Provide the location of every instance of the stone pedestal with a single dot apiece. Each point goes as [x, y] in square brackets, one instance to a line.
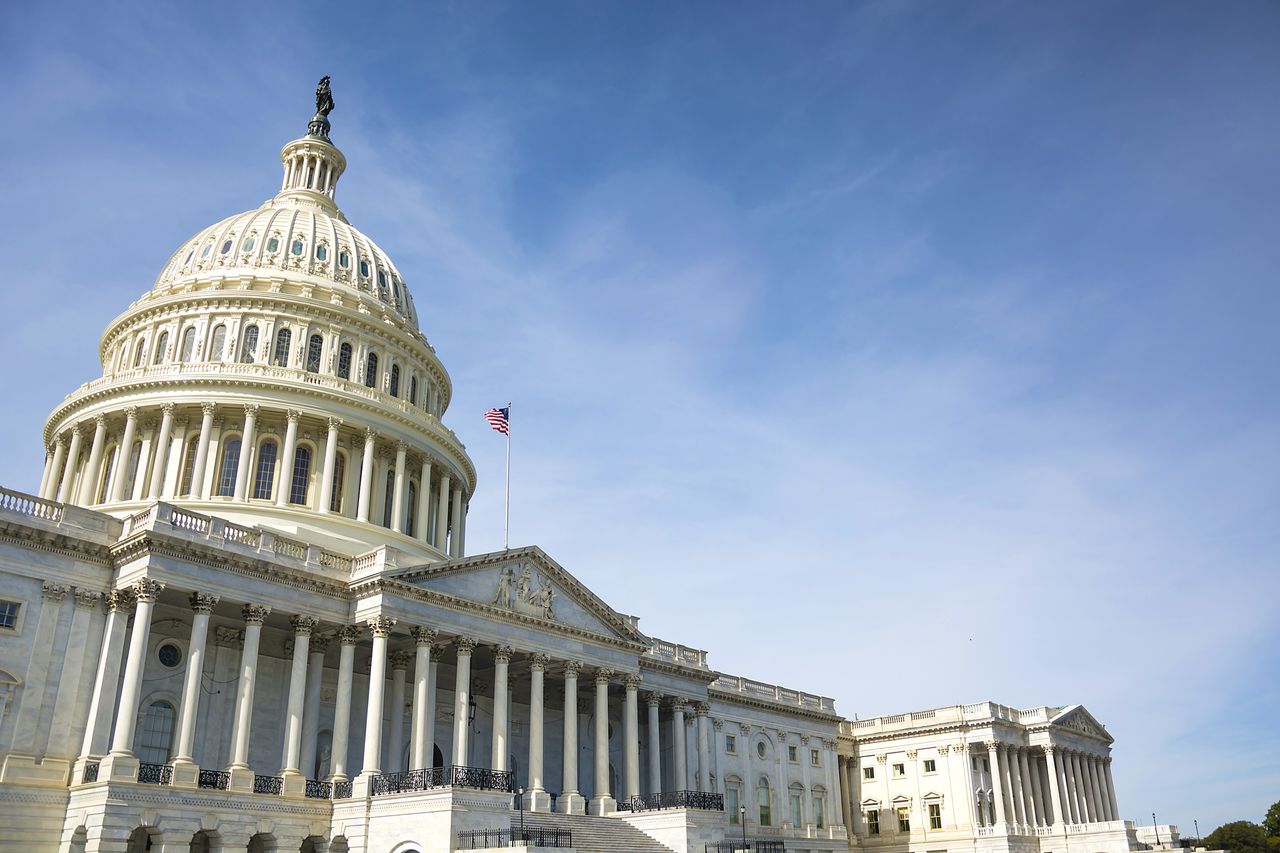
[571, 803]
[601, 806]
[537, 801]
[186, 774]
[295, 784]
[241, 778]
[123, 768]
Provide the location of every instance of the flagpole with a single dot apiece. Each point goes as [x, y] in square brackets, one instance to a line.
[506, 508]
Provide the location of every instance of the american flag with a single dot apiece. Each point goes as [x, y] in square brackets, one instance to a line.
[497, 419]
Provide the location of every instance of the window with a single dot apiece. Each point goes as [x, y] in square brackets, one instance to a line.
[249, 344]
[169, 655]
[208, 247]
[248, 244]
[815, 758]
[297, 248]
[797, 806]
[108, 468]
[9, 615]
[732, 803]
[986, 766]
[155, 735]
[301, 475]
[266, 474]
[226, 247]
[364, 269]
[188, 344]
[935, 815]
[413, 391]
[218, 343]
[371, 370]
[280, 358]
[760, 749]
[322, 252]
[762, 801]
[930, 765]
[904, 819]
[344, 260]
[395, 380]
[273, 245]
[868, 773]
[139, 350]
[227, 474]
[335, 495]
[791, 754]
[731, 744]
[315, 346]
[135, 456]
[819, 817]
[411, 510]
[899, 770]
[188, 466]
[982, 818]
[873, 822]
[344, 361]
[390, 497]
[162, 343]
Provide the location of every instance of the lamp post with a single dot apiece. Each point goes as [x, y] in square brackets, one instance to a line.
[523, 837]
[1155, 828]
[742, 819]
[1197, 823]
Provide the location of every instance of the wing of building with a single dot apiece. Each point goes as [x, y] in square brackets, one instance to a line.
[240, 615]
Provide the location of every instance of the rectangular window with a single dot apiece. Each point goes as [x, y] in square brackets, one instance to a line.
[797, 817]
[873, 823]
[982, 820]
[731, 744]
[899, 770]
[732, 802]
[818, 817]
[9, 615]
[814, 757]
[868, 773]
[791, 754]
[904, 819]
[935, 816]
[986, 766]
[930, 766]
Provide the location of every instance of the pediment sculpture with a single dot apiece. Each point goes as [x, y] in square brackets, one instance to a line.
[523, 595]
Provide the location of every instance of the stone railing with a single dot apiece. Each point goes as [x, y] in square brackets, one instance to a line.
[23, 504]
[774, 693]
[977, 712]
[676, 653]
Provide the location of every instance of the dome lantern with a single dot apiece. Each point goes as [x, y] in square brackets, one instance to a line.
[312, 164]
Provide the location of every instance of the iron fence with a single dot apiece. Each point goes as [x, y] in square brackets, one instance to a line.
[486, 838]
[155, 774]
[752, 846]
[319, 790]
[341, 790]
[214, 780]
[268, 785]
[673, 800]
[442, 777]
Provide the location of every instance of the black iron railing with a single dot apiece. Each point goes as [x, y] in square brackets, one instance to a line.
[319, 790]
[90, 773]
[155, 774]
[214, 780]
[484, 838]
[753, 846]
[341, 790]
[442, 777]
[673, 800]
[268, 784]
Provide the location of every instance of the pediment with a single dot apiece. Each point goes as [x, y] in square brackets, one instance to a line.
[525, 584]
[1077, 719]
[869, 804]
[901, 800]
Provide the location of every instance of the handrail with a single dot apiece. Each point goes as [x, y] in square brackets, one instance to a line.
[454, 776]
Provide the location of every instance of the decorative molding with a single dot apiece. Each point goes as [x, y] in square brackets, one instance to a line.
[502, 654]
[303, 624]
[255, 614]
[400, 659]
[380, 626]
[349, 635]
[631, 681]
[147, 590]
[53, 591]
[466, 645]
[423, 636]
[539, 662]
[203, 602]
[87, 599]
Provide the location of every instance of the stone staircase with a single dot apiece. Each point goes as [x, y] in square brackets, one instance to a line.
[594, 834]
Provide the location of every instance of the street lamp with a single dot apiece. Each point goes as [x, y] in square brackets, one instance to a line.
[742, 819]
[523, 837]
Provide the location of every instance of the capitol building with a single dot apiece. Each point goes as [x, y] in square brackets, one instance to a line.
[239, 613]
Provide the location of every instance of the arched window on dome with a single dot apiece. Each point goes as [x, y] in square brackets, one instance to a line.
[218, 343]
[188, 343]
[344, 361]
[265, 476]
[227, 472]
[301, 475]
[315, 348]
[135, 458]
[413, 390]
[371, 370]
[162, 344]
[139, 351]
[395, 380]
[249, 344]
[188, 466]
[411, 510]
[155, 735]
[280, 358]
[389, 499]
[763, 801]
[108, 468]
[339, 474]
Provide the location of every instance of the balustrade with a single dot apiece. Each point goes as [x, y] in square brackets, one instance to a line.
[319, 790]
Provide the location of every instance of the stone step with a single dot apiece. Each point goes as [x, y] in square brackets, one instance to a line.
[593, 834]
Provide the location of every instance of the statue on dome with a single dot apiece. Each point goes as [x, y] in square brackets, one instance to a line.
[319, 124]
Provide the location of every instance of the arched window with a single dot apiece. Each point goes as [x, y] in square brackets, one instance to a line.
[188, 466]
[819, 815]
[139, 350]
[315, 346]
[135, 456]
[335, 492]
[188, 343]
[390, 498]
[108, 468]
[249, 344]
[344, 361]
[301, 475]
[395, 380]
[230, 463]
[411, 510]
[413, 391]
[797, 805]
[162, 343]
[265, 476]
[371, 370]
[218, 343]
[762, 799]
[155, 735]
[281, 356]
[733, 799]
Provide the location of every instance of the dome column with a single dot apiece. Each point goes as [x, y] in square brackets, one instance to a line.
[123, 454]
[330, 461]
[89, 480]
[59, 458]
[442, 513]
[202, 450]
[158, 454]
[397, 500]
[73, 458]
[455, 541]
[48, 471]
[246, 452]
[424, 501]
[285, 486]
[366, 475]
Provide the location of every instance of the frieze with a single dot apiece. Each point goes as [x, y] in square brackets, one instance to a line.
[523, 595]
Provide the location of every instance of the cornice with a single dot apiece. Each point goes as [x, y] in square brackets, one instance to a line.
[55, 542]
[693, 673]
[736, 698]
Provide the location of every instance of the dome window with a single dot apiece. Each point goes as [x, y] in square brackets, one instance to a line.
[226, 247]
[249, 243]
[371, 370]
[322, 252]
[396, 286]
[280, 358]
[273, 245]
[204, 253]
[301, 475]
[382, 279]
[249, 346]
[265, 476]
[189, 343]
[344, 260]
[315, 347]
[190, 255]
[344, 361]
[364, 269]
[297, 248]
[162, 343]
[395, 380]
[218, 344]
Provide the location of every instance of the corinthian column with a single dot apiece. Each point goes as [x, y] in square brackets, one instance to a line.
[536, 798]
[69, 473]
[1111, 788]
[602, 801]
[330, 461]
[92, 475]
[571, 801]
[654, 701]
[442, 513]
[241, 773]
[631, 736]
[366, 476]
[285, 486]
[123, 453]
[501, 708]
[103, 703]
[461, 699]
[681, 751]
[311, 708]
[185, 771]
[1056, 794]
[348, 636]
[380, 627]
[400, 661]
[202, 450]
[421, 733]
[397, 494]
[1000, 801]
[295, 781]
[121, 763]
[247, 444]
[704, 748]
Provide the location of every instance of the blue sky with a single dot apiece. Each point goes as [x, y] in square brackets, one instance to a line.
[912, 354]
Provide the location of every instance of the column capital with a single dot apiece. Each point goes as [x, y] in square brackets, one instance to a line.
[250, 410]
[203, 602]
[54, 591]
[319, 643]
[437, 649]
[334, 423]
[572, 667]
[631, 681]
[466, 645]
[1051, 748]
[603, 676]
[78, 429]
[255, 614]
[349, 635]
[911, 754]
[303, 625]
[87, 599]
[400, 659]
[678, 704]
[207, 409]
[100, 421]
[718, 724]
[423, 636]
[783, 734]
[993, 745]
[654, 698]
[293, 415]
[119, 601]
[703, 708]
[130, 413]
[370, 434]
[146, 589]
[502, 654]
[745, 729]
[380, 626]
[539, 662]
[59, 441]
[402, 446]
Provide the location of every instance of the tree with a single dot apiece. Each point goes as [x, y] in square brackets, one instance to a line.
[1240, 836]
[1271, 823]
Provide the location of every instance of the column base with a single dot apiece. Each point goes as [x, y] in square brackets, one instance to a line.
[295, 784]
[571, 802]
[186, 773]
[241, 780]
[537, 800]
[361, 784]
[77, 769]
[601, 806]
[121, 767]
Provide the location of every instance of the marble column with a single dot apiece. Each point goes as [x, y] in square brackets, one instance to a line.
[248, 441]
[73, 459]
[571, 800]
[241, 773]
[186, 773]
[501, 708]
[536, 798]
[678, 744]
[1028, 788]
[92, 474]
[461, 699]
[1015, 785]
[1056, 792]
[27, 721]
[295, 781]
[631, 736]
[654, 701]
[1111, 788]
[348, 636]
[1037, 787]
[442, 514]
[50, 490]
[102, 704]
[398, 490]
[202, 450]
[311, 708]
[421, 733]
[380, 627]
[602, 801]
[121, 764]
[1095, 792]
[123, 453]
[424, 501]
[330, 463]
[395, 761]
[66, 707]
[455, 539]
[704, 748]
[284, 483]
[1000, 801]
[366, 475]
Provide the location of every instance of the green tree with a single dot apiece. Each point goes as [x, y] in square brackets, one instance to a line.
[1240, 836]
[1271, 823]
